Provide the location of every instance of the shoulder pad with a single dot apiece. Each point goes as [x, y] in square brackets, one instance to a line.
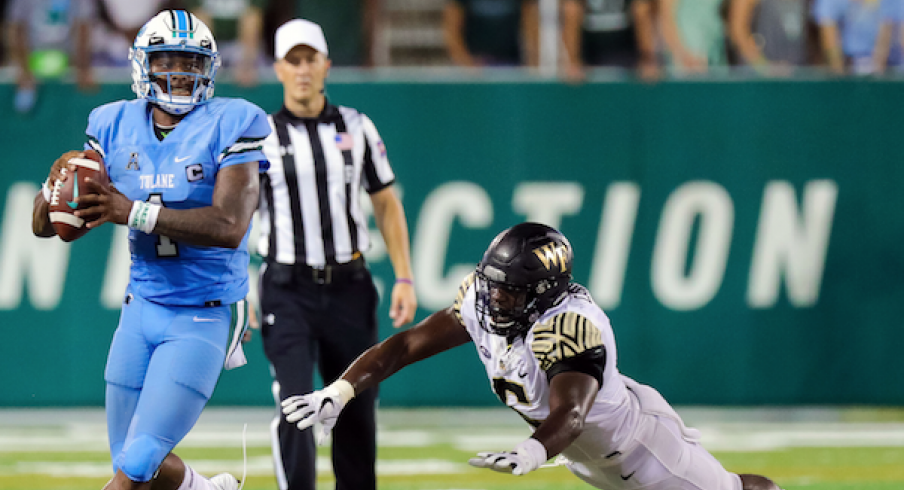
[462, 291]
[563, 336]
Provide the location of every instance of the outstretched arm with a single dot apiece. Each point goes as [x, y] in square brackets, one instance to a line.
[439, 332]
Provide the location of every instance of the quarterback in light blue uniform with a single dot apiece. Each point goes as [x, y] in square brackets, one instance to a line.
[184, 173]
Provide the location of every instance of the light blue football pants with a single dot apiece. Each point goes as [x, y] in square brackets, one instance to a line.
[162, 368]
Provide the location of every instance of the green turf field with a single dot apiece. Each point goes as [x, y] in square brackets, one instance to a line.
[428, 450]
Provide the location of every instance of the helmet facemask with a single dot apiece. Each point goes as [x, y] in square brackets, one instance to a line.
[178, 92]
[504, 309]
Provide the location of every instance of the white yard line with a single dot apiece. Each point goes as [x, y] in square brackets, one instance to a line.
[258, 466]
[85, 432]
[61, 430]
[716, 437]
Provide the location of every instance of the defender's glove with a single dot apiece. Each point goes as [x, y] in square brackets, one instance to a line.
[323, 406]
[526, 457]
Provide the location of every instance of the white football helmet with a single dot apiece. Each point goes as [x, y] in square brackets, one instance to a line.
[174, 32]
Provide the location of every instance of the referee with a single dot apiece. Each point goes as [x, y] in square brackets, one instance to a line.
[318, 301]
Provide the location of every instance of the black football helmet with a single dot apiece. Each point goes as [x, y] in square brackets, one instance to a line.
[525, 271]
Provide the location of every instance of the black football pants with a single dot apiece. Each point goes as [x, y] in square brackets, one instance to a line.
[304, 324]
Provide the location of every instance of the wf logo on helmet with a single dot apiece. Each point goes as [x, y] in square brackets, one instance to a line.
[552, 255]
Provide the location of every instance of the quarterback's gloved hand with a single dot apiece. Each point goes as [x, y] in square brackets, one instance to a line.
[323, 406]
[526, 457]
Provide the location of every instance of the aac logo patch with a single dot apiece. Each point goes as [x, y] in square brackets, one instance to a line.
[133, 162]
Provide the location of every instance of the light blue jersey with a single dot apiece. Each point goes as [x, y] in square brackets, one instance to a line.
[858, 22]
[180, 172]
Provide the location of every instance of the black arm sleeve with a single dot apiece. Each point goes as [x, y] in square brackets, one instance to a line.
[591, 362]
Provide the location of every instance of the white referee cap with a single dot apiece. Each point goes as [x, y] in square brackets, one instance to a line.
[296, 32]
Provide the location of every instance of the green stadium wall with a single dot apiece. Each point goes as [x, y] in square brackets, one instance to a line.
[744, 237]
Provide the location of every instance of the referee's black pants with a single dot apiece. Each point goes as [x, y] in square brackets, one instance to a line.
[306, 323]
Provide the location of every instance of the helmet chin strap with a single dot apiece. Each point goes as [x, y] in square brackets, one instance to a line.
[178, 105]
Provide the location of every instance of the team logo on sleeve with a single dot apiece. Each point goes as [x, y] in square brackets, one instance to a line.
[194, 172]
[564, 336]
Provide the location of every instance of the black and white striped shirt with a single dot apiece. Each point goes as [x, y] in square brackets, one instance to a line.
[310, 209]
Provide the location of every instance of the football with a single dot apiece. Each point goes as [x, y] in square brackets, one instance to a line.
[67, 225]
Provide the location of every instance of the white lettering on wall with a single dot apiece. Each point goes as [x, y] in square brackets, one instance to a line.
[116, 277]
[613, 243]
[547, 202]
[709, 203]
[463, 202]
[41, 262]
[791, 243]
[687, 269]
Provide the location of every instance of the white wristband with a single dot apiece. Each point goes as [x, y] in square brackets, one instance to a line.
[533, 454]
[143, 216]
[344, 388]
[45, 190]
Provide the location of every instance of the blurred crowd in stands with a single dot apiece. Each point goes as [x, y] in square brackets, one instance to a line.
[651, 38]
[656, 37]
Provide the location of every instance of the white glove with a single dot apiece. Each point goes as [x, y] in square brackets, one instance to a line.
[526, 457]
[323, 406]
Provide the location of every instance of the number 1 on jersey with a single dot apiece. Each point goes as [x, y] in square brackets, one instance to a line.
[165, 246]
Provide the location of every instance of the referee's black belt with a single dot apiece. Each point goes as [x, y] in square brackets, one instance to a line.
[326, 274]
